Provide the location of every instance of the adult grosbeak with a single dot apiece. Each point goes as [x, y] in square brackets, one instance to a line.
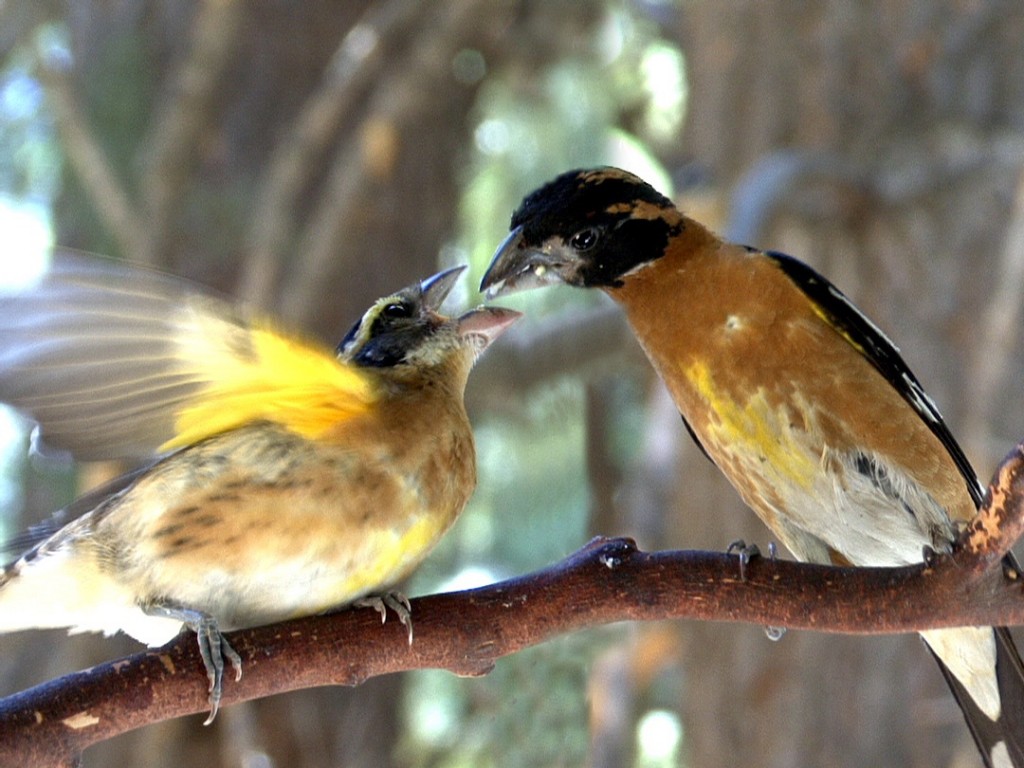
[291, 479]
[794, 394]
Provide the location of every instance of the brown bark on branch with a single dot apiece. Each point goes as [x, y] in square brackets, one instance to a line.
[1000, 521]
[608, 580]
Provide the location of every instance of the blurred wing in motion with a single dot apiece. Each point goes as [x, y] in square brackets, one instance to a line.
[115, 361]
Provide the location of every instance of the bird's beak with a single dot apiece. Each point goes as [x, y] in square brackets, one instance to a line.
[519, 267]
[484, 324]
[435, 289]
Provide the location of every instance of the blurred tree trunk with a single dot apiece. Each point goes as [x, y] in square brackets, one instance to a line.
[881, 142]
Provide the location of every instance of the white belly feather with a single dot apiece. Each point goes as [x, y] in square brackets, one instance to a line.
[849, 503]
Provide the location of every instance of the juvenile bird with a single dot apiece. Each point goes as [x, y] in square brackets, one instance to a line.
[289, 478]
[796, 396]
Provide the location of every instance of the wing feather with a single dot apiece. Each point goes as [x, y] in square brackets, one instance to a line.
[115, 361]
[875, 346]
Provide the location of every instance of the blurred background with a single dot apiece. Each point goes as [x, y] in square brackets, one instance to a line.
[310, 157]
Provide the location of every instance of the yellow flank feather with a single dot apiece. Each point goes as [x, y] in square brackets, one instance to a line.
[753, 429]
[254, 373]
[395, 555]
[816, 308]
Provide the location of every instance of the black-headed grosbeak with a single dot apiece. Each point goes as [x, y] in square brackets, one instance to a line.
[792, 392]
[291, 479]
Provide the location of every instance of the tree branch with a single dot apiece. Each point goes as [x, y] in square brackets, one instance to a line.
[609, 580]
[590, 342]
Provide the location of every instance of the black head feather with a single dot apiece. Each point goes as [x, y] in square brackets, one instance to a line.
[605, 214]
[398, 325]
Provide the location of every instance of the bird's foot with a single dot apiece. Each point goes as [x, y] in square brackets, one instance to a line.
[213, 648]
[745, 552]
[396, 601]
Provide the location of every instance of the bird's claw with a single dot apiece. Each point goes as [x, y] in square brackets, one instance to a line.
[213, 649]
[396, 601]
[745, 552]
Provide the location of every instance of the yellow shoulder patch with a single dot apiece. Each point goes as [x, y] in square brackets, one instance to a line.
[249, 374]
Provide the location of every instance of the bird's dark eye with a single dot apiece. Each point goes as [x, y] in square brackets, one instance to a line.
[397, 310]
[584, 240]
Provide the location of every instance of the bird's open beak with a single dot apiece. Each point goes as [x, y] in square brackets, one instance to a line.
[484, 324]
[435, 289]
[519, 267]
[481, 325]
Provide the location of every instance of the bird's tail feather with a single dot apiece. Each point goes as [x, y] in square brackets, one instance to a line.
[1001, 742]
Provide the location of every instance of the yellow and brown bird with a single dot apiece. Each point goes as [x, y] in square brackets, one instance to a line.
[290, 478]
[799, 399]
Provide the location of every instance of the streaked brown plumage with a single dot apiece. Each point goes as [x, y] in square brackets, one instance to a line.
[291, 481]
